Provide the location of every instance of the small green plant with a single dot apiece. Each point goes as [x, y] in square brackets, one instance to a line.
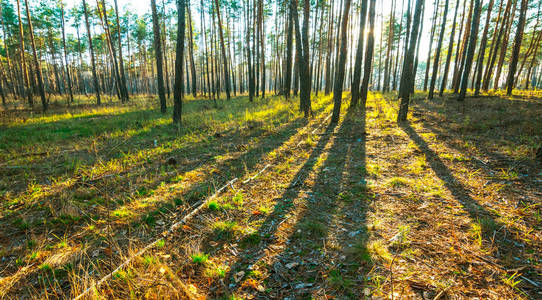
[149, 260]
[213, 205]
[251, 239]
[45, 267]
[160, 244]
[224, 229]
[200, 258]
[512, 280]
[238, 199]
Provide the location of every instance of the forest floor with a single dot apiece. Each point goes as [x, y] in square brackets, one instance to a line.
[447, 205]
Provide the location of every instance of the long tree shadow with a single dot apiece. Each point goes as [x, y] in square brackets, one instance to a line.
[484, 136]
[222, 171]
[513, 252]
[332, 213]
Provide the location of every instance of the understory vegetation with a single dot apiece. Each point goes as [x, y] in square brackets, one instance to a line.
[447, 204]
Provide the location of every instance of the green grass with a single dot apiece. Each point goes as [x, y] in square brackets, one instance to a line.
[200, 258]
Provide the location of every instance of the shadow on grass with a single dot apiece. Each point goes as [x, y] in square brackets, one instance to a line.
[339, 191]
[509, 141]
[222, 171]
[513, 252]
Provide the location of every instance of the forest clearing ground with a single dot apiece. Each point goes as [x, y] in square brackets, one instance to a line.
[441, 207]
[447, 205]
[67, 221]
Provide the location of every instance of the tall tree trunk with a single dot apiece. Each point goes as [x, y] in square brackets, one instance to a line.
[359, 55]
[482, 51]
[92, 59]
[123, 87]
[462, 55]
[105, 24]
[504, 47]
[158, 55]
[368, 56]
[497, 35]
[24, 69]
[262, 45]
[191, 50]
[339, 76]
[388, 50]
[302, 44]
[179, 54]
[449, 55]
[70, 92]
[329, 51]
[223, 49]
[517, 47]
[433, 29]
[437, 54]
[470, 52]
[37, 64]
[289, 49]
[406, 75]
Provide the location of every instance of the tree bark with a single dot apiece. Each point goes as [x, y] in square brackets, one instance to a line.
[449, 55]
[223, 49]
[517, 47]
[359, 55]
[179, 54]
[482, 51]
[364, 90]
[339, 76]
[158, 55]
[70, 92]
[406, 75]
[37, 64]
[470, 52]
[24, 69]
[437, 54]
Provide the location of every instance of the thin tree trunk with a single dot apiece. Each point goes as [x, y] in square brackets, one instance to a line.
[24, 69]
[158, 54]
[359, 55]
[406, 75]
[517, 47]
[482, 51]
[470, 52]
[179, 54]
[37, 64]
[437, 54]
[449, 55]
[70, 92]
[339, 76]
[223, 49]
[368, 56]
